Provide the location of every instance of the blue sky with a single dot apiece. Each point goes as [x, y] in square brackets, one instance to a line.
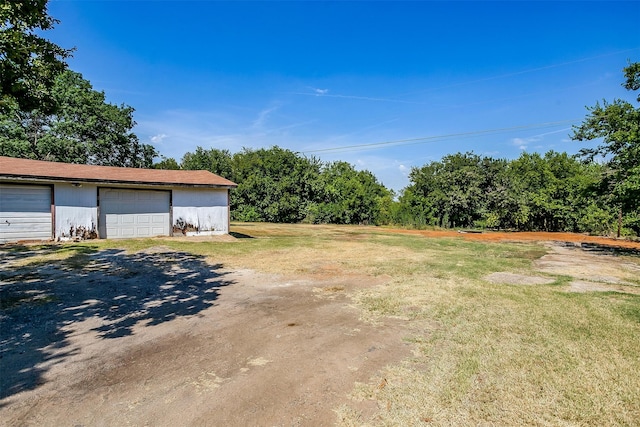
[423, 78]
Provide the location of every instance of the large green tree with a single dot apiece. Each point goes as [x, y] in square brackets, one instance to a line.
[617, 125]
[553, 192]
[348, 196]
[29, 63]
[274, 185]
[83, 129]
[451, 192]
[167, 163]
[213, 160]
[279, 185]
[549, 191]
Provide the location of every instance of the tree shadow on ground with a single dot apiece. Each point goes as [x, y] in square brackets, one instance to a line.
[42, 299]
[609, 249]
[602, 249]
[240, 235]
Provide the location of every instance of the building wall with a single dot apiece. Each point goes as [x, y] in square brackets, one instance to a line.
[200, 211]
[76, 211]
[193, 211]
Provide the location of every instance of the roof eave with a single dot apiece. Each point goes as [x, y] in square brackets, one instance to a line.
[113, 182]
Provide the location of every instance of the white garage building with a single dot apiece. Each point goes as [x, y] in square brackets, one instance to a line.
[47, 200]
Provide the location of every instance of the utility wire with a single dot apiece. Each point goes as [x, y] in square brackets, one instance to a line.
[428, 139]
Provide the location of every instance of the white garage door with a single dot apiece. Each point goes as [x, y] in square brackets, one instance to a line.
[25, 213]
[133, 213]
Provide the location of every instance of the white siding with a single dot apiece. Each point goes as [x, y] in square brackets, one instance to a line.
[201, 211]
[76, 211]
[25, 212]
[133, 213]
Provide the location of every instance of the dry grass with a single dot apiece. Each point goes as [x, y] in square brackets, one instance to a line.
[484, 353]
[506, 358]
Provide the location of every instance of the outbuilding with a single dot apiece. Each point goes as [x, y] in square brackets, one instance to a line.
[42, 200]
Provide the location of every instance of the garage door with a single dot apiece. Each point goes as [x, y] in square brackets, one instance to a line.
[133, 213]
[25, 213]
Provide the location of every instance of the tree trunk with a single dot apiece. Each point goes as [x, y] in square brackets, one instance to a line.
[619, 221]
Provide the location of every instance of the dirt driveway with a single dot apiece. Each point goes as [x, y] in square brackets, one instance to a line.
[163, 338]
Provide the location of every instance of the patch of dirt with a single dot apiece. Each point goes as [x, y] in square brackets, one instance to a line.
[593, 268]
[517, 279]
[598, 266]
[499, 236]
[584, 286]
[163, 338]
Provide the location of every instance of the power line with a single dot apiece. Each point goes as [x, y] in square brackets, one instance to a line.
[428, 139]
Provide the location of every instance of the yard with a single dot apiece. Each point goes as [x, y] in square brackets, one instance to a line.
[321, 325]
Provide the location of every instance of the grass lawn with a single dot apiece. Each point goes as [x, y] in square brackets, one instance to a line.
[484, 353]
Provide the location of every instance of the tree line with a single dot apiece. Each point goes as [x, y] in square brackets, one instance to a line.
[278, 185]
[50, 112]
[550, 192]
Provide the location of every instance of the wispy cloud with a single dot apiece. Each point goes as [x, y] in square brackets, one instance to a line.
[525, 71]
[157, 139]
[324, 93]
[175, 132]
[263, 116]
[289, 126]
[393, 173]
[338, 140]
[523, 143]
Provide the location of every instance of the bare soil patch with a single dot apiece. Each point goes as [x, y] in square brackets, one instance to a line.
[584, 286]
[163, 338]
[594, 268]
[518, 279]
[498, 236]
